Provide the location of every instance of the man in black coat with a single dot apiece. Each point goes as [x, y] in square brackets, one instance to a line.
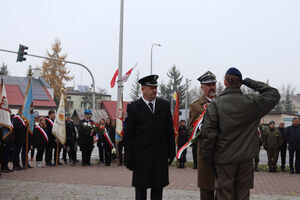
[70, 140]
[149, 142]
[293, 139]
[51, 138]
[20, 139]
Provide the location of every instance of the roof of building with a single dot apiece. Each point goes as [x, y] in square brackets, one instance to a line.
[111, 108]
[16, 90]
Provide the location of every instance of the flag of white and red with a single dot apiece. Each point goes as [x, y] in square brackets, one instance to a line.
[176, 116]
[5, 114]
[124, 78]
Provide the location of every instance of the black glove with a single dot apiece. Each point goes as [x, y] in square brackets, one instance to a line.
[246, 82]
[170, 161]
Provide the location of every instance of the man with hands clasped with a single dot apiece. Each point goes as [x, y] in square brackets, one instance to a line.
[149, 142]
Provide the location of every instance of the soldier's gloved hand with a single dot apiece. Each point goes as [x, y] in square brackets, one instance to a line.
[246, 82]
[170, 161]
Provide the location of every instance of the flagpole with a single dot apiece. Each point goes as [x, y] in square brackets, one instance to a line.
[26, 157]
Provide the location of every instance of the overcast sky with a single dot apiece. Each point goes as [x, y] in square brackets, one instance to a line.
[259, 37]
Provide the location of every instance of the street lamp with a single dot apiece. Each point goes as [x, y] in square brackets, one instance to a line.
[154, 44]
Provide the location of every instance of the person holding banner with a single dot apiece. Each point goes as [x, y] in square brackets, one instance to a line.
[86, 138]
[40, 140]
[205, 174]
[149, 141]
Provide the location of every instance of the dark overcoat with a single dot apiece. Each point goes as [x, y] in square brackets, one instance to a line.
[149, 143]
[85, 139]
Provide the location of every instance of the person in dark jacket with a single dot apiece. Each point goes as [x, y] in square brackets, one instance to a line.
[149, 141]
[107, 144]
[51, 145]
[293, 140]
[85, 139]
[271, 142]
[283, 145]
[40, 140]
[100, 141]
[70, 140]
[182, 139]
[20, 139]
[229, 137]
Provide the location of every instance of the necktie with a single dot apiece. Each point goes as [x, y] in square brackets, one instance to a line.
[151, 106]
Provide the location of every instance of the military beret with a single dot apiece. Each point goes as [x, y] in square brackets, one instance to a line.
[234, 71]
[271, 122]
[207, 77]
[150, 80]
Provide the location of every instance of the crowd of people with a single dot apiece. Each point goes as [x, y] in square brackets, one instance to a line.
[223, 153]
[46, 150]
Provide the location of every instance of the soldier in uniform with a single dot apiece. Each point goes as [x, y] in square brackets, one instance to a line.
[283, 145]
[149, 142]
[51, 138]
[205, 174]
[182, 139]
[229, 137]
[256, 158]
[271, 142]
[85, 139]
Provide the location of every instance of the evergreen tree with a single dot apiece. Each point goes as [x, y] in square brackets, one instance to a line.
[288, 105]
[4, 70]
[173, 86]
[136, 92]
[55, 72]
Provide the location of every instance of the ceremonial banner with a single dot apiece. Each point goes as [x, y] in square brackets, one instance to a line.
[59, 127]
[195, 133]
[5, 114]
[176, 116]
[119, 123]
[27, 109]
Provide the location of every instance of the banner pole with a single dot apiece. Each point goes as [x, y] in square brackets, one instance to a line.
[57, 154]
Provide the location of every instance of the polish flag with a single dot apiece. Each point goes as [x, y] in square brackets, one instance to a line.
[126, 76]
[113, 80]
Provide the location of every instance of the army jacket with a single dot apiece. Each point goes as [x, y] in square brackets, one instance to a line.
[229, 131]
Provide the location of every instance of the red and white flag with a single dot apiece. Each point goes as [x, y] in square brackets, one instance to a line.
[126, 76]
[113, 80]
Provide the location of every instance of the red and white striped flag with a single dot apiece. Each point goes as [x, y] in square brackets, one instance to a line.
[126, 76]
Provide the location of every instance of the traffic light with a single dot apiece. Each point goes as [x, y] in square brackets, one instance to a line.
[21, 53]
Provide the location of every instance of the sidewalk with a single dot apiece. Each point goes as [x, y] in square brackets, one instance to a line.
[114, 182]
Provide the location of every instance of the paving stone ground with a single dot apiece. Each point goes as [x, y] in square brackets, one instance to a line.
[114, 182]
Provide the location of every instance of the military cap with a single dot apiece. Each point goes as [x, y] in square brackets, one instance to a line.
[236, 72]
[207, 77]
[150, 80]
[271, 122]
[87, 112]
[68, 115]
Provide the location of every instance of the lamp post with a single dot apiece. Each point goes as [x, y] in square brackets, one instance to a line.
[154, 44]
